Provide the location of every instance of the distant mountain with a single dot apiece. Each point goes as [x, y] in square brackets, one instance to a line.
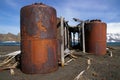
[10, 37]
[113, 37]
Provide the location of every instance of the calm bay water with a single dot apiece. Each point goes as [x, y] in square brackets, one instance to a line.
[113, 44]
[9, 43]
[18, 43]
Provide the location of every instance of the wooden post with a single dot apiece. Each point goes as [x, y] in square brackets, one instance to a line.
[68, 41]
[83, 35]
[80, 37]
[62, 44]
[74, 38]
[79, 34]
[65, 37]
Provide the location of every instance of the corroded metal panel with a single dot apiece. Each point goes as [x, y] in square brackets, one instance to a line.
[95, 37]
[38, 39]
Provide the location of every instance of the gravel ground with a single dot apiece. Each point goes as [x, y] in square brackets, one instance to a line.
[101, 68]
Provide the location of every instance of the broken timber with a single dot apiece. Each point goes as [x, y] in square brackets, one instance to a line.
[8, 63]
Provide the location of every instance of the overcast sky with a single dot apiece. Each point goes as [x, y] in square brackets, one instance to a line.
[106, 10]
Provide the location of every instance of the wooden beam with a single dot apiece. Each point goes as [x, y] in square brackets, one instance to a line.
[62, 44]
[83, 36]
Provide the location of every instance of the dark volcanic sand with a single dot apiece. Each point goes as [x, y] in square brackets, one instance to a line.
[102, 68]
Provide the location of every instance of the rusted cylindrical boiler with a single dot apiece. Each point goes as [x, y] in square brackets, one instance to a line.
[38, 39]
[95, 37]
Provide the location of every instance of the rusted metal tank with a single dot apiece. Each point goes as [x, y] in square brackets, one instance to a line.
[38, 39]
[95, 37]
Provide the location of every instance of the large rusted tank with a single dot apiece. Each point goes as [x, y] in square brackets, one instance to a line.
[38, 39]
[95, 37]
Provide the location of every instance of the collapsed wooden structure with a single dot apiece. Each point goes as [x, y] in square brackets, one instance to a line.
[66, 37]
[88, 36]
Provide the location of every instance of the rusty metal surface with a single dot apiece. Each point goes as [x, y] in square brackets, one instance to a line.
[95, 37]
[38, 39]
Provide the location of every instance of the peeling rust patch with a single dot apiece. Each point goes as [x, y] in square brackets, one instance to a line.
[41, 27]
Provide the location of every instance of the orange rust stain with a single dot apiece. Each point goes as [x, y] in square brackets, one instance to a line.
[41, 27]
[40, 50]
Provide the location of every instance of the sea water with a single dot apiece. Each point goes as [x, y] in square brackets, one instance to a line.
[113, 43]
[9, 43]
[18, 43]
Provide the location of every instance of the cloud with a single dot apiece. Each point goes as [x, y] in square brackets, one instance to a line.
[85, 9]
[94, 9]
[113, 28]
[12, 3]
[86, 5]
[81, 9]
